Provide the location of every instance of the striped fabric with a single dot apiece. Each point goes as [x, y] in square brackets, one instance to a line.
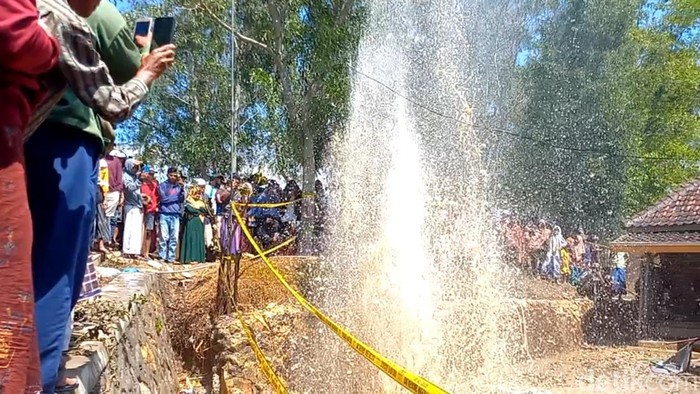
[82, 70]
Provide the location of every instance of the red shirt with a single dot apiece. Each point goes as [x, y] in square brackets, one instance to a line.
[151, 190]
[26, 52]
[116, 173]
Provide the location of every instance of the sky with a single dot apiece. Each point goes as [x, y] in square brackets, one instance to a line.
[521, 59]
[122, 5]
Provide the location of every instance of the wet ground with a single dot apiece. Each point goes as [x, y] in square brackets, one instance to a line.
[586, 370]
[601, 370]
[533, 288]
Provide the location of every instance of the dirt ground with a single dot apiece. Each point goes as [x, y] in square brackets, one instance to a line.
[586, 368]
[576, 369]
[529, 287]
[601, 370]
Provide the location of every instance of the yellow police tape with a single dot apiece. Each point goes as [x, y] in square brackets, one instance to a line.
[262, 360]
[265, 366]
[407, 379]
[274, 249]
[272, 205]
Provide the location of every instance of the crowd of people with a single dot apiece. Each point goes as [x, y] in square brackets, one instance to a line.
[67, 69]
[191, 222]
[541, 248]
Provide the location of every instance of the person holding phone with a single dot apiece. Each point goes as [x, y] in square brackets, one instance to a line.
[108, 77]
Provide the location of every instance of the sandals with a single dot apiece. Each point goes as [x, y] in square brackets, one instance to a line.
[68, 387]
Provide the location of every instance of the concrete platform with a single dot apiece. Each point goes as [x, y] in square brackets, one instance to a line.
[664, 345]
[88, 369]
[136, 355]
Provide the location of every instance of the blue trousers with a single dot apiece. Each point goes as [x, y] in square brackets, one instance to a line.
[169, 232]
[61, 182]
[619, 280]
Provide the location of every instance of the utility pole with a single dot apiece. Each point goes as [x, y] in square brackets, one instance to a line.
[234, 96]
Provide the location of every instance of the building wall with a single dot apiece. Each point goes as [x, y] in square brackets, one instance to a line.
[670, 304]
[634, 266]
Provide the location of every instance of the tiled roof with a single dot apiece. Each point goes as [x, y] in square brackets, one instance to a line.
[680, 208]
[687, 237]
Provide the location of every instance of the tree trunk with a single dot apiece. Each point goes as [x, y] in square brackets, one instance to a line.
[225, 303]
[227, 284]
[308, 205]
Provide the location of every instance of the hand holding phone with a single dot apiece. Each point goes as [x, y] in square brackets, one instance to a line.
[143, 41]
[143, 33]
[155, 63]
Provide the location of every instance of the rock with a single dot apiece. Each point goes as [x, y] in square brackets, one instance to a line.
[274, 328]
[187, 275]
[107, 273]
[142, 359]
[155, 264]
[240, 386]
[143, 388]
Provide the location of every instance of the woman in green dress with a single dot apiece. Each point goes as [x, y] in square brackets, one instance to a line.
[193, 248]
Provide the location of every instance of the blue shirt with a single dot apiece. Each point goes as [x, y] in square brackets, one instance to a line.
[171, 198]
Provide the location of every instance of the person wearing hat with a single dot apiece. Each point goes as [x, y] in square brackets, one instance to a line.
[115, 197]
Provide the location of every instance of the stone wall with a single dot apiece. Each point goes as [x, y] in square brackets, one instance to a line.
[135, 356]
[275, 328]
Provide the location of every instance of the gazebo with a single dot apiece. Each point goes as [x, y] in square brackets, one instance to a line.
[664, 241]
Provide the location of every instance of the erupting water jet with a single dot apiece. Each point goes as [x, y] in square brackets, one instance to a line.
[413, 266]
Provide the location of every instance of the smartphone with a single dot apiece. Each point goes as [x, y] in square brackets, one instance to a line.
[143, 27]
[163, 31]
[142, 31]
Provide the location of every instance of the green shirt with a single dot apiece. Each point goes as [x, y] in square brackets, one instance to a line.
[114, 41]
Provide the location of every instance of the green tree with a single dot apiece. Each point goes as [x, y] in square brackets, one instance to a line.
[611, 116]
[567, 167]
[663, 93]
[293, 75]
[295, 69]
[187, 119]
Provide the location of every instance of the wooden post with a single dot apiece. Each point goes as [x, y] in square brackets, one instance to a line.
[223, 384]
[644, 293]
[225, 285]
[236, 276]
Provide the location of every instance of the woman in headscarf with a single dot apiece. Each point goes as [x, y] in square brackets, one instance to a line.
[193, 248]
[133, 209]
[552, 265]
